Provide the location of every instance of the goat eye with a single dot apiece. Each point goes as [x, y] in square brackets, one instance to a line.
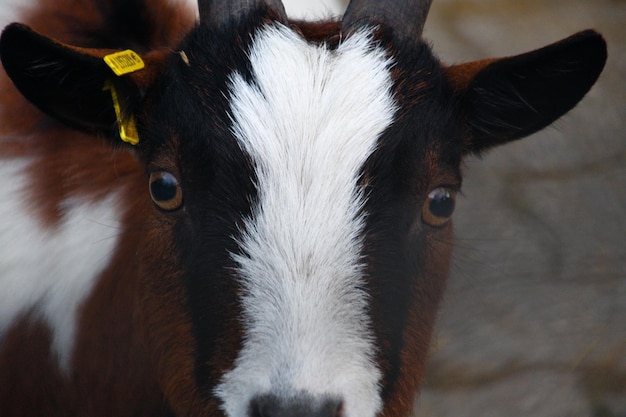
[165, 190]
[439, 206]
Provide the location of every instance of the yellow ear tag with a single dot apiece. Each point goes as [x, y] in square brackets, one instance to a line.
[124, 62]
[128, 129]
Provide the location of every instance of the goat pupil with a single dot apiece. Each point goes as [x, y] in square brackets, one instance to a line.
[164, 188]
[442, 203]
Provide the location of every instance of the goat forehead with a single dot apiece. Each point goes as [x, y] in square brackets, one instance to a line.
[309, 121]
[309, 118]
[308, 109]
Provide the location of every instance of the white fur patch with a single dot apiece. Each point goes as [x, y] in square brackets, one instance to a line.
[50, 270]
[309, 122]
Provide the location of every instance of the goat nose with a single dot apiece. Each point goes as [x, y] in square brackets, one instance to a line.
[296, 406]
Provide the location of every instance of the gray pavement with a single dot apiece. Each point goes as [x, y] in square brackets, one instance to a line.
[534, 322]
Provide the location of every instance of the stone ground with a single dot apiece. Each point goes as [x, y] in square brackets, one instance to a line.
[534, 323]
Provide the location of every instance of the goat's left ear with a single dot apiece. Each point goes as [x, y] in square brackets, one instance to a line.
[509, 98]
[71, 84]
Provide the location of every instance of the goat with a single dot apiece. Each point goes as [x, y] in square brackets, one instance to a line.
[239, 215]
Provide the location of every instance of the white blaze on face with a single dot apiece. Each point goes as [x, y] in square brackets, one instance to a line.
[309, 121]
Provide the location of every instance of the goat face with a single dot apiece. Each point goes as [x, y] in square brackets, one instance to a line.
[295, 226]
[298, 220]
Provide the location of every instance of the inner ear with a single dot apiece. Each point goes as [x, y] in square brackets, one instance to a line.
[63, 81]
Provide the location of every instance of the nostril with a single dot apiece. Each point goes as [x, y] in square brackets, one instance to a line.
[338, 409]
[331, 408]
[265, 406]
[295, 406]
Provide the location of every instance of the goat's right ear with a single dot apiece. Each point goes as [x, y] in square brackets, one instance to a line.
[508, 98]
[69, 83]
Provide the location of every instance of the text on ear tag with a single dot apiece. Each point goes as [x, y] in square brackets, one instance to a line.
[127, 126]
[124, 62]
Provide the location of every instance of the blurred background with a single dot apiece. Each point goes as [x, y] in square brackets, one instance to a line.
[534, 321]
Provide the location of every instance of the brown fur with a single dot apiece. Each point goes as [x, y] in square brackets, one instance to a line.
[114, 361]
[459, 76]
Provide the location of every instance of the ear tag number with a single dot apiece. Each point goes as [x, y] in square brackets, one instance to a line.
[127, 126]
[124, 62]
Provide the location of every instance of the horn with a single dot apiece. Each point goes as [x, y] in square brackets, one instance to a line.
[221, 12]
[407, 17]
